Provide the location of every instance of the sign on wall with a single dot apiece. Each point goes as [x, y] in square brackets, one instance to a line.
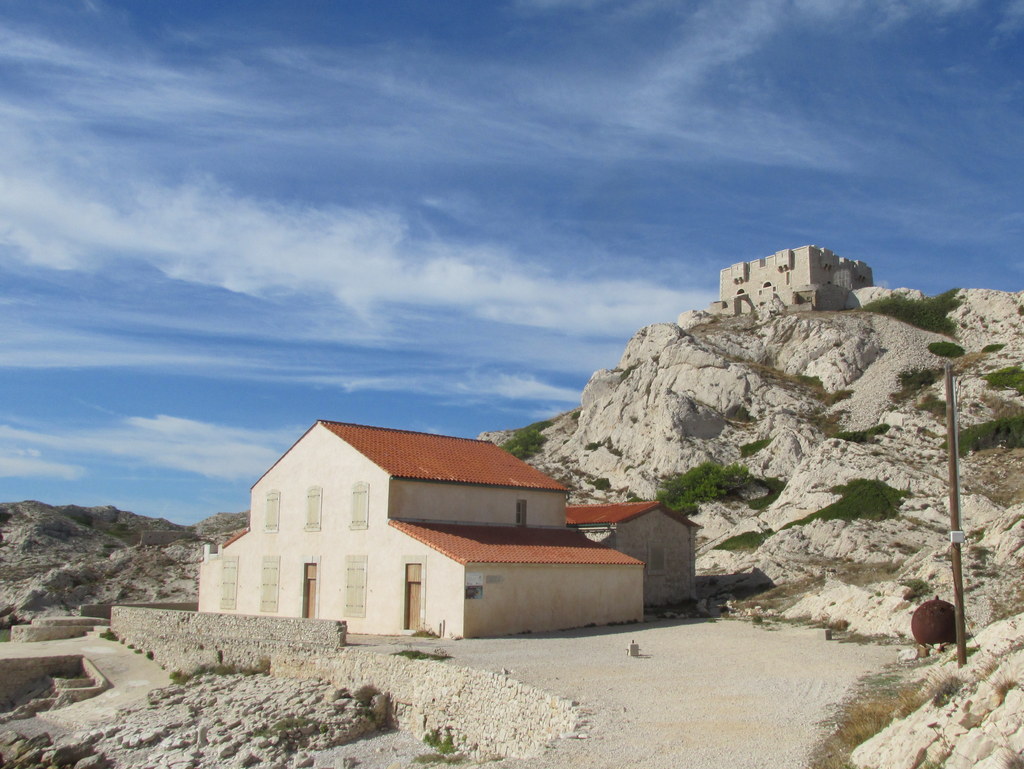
[474, 585]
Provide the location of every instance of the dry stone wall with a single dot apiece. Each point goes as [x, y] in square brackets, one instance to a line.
[487, 714]
[185, 640]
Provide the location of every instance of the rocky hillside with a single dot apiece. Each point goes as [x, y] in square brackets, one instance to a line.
[53, 559]
[822, 402]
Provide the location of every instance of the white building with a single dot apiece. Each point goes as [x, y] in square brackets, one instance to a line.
[395, 531]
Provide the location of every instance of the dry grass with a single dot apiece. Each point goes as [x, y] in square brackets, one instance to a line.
[1002, 685]
[864, 716]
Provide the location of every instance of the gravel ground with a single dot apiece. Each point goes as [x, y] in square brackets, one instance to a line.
[703, 695]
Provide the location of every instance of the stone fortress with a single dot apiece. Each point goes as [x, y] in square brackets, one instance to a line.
[805, 278]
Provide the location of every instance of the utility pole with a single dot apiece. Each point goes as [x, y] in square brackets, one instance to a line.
[956, 534]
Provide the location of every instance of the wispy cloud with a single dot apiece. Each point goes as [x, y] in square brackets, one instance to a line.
[205, 449]
[30, 463]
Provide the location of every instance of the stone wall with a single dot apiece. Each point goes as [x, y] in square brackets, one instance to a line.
[487, 714]
[186, 640]
[18, 675]
[102, 610]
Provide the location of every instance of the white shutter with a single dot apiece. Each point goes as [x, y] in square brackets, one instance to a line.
[268, 587]
[360, 505]
[228, 582]
[273, 510]
[314, 498]
[355, 585]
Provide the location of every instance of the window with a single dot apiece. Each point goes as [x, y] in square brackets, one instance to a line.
[360, 505]
[273, 509]
[520, 512]
[355, 585]
[314, 499]
[228, 581]
[655, 559]
[268, 586]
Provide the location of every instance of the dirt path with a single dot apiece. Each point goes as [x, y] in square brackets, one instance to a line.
[704, 695]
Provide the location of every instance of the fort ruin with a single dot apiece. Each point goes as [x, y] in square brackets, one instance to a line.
[802, 279]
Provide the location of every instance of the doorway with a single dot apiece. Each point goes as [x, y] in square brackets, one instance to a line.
[309, 591]
[413, 595]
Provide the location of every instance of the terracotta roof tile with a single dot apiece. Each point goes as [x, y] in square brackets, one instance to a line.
[577, 515]
[424, 456]
[512, 544]
[234, 538]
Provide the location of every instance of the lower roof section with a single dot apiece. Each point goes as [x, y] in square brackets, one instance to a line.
[465, 543]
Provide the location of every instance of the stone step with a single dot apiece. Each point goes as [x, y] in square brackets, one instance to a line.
[73, 683]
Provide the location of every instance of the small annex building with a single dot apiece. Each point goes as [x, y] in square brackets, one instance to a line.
[650, 532]
[394, 531]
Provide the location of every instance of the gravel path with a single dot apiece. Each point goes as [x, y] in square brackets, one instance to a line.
[703, 695]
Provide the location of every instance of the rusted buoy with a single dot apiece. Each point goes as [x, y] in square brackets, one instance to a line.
[934, 622]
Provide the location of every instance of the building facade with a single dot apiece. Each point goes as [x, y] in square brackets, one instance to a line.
[805, 278]
[650, 532]
[396, 531]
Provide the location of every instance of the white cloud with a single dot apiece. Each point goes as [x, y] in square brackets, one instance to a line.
[206, 449]
[29, 463]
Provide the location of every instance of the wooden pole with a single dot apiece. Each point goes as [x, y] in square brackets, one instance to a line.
[955, 536]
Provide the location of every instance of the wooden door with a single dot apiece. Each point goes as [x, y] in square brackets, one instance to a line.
[413, 595]
[309, 591]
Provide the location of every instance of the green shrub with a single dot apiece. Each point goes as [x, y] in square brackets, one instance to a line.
[1011, 378]
[443, 745]
[863, 436]
[5, 635]
[748, 540]
[861, 499]
[592, 446]
[749, 449]
[993, 347]
[416, 654]
[775, 487]
[1007, 433]
[933, 405]
[946, 349]
[108, 635]
[703, 483]
[527, 441]
[601, 484]
[917, 588]
[930, 313]
[915, 380]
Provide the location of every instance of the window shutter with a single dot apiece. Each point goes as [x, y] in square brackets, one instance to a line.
[228, 582]
[355, 585]
[273, 510]
[268, 588]
[360, 505]
[313, 506]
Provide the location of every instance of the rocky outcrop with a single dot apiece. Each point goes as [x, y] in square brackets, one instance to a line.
[54, 559]
[782, 393]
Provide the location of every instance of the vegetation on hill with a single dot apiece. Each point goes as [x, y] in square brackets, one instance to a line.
[748, 540]
[946, 349]
[1010, 378]
[914, 381]
[862, 499]
[527, 441]
[703, 483]
[1007, 433]
[749, 449]
[863, 436]
[930, 313]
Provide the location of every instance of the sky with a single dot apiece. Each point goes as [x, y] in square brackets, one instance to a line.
[220, 222]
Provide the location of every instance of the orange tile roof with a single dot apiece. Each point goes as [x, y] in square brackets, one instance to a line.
[512, 544]
[576, 515]
[424, 456]
[235, 537]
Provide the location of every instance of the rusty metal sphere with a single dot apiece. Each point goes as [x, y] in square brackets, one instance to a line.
[934, 622]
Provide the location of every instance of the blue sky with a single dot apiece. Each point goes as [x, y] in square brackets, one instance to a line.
[220, 222]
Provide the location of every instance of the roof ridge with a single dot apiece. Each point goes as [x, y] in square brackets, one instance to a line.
[400, 430]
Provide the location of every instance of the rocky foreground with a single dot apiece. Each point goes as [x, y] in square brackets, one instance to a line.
[212, 721]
